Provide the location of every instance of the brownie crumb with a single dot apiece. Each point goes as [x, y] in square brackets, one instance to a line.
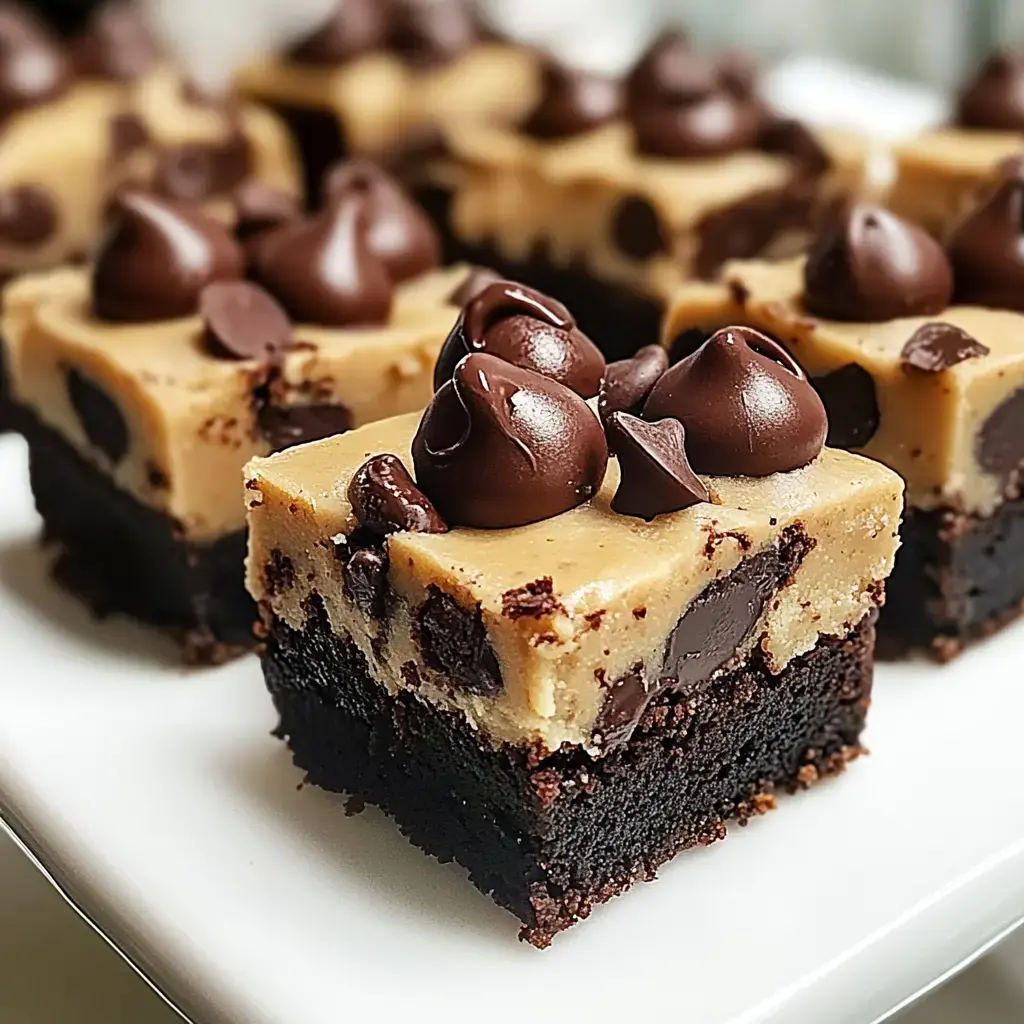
[535, 600]
[279, 573]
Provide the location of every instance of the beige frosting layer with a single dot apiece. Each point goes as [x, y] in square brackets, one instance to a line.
[190, 415]
[519, 194]
[621, 583]
[928, 422]
[941, 174]
[380, 102]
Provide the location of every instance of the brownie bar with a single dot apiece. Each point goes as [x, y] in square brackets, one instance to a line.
[524, 823]
[121, 556]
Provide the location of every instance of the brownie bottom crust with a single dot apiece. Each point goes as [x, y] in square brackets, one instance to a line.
[120, 556]
[551, 835]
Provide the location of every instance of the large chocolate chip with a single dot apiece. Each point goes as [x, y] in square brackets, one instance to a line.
[33, 68]
[1000, 444]
[385, 499]
[628, 382]
[355, 27]
[28, 216]
[241, 321]
[667, 67]
[852, 406]
[286, 426]
[128, 133]
[365, 580]
[936, 347]
[474, 283]
[430, 35]
[195, 171]
[116, 44]
[453, 640]
[101, 419]
[261, 207]
[656, 477]
[746, 404]
[572, 101]
[637, 231]
[994, 99]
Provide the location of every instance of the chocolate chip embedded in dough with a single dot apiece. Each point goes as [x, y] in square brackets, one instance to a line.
[935, 347]
[365, 580]
[286, 426]
[636, 229]
[1000, 444]
[453, 640]
[101, 419]
[851, 404]
[28, 216]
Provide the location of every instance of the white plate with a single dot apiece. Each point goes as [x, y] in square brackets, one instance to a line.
[159, 802]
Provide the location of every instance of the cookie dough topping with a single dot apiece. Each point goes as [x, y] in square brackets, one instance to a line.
[115, 45]
[994, 99]
[33, 68]
[987, 250]
[868, 265]
[628, 382]
[385, 499]
[572, 102]
[398, 231]
[501, 446]
[747, 406]
[157, 257]
[528, 329]
[354, 28]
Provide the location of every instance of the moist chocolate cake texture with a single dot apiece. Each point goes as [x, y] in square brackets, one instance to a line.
[917, 353]
[559, 647]
[146, 381]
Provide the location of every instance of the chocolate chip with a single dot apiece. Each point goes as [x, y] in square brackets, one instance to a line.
[474, 283]
[938, 346]
[128, 133]
[629, 381]
[260, 207]
[278, 573]
[116, 44]
[655, 474]
[286, 426]
[623, 707]
[101, 419]
[195, 171]
[33, 66]
[1000, 444]
[241, 321]
[788, 137]
[572, 101]
[994, 99]
[354, 28]
[430, 35]
[28, 216]
[365, 581]
[385, 499]
[534, 600]
[637, 231]
[453, 640]
[852, 406]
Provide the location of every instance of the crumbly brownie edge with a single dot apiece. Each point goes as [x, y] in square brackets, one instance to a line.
[550, 836]
[119, 556]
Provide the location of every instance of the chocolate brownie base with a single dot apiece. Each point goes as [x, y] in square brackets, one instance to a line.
[6, 404]
[550, 836]
[120, 556]
[958, 577]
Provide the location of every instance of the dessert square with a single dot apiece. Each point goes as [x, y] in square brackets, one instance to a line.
[148, 381]
[918, 355]
[560, 670]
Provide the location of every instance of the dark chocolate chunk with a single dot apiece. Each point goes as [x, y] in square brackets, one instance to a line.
[994, 99]
[655, 475]
[365, 581]
[528, 329]
[572, 101]
[33, 68]
[475, 282]
[398, 231]
[430, 35]
[101, 419]
[385, 499]
[156, 259]
[637, 231]
[241, 321]
[852, 405]
[195, 171]
[28, 215]
[500, 446]
[321, 268]
[286, 426]
[868, 265]
[938, 346]
[453, 640]
[116, 44]
[1000, 444]
[746, 404]
[355, 27]
[628, 382]
[788, 137]
[987, 250]
[623, 707]
[260, 207]
[128, 132]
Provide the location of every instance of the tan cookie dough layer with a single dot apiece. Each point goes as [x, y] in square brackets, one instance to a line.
[928, 422]
[941, 174]
[190, 416]
[621, 583]
[523, 195]
[381, 103]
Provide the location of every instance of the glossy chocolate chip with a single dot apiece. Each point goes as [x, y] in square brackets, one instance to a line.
[241, 321]
[453, 640]
[747, 406]
[667, 66]
[354, 28]
[628, 382]
[987, 250]
[101, 419]
[572, 102]
[528, 329]
[431, 34]
[793, 139]
[473, 284]
[655, 474]
[715, 124]
[286, 426]
[261, 207]
[385, 499]
[33, 68]
[852, 405]
[195, 171]
[156, 258]
[398, 231]
[994, 99]
[1000, 444]
[636, 230]
[128, 133]
[28, 216]
[868, 265]
[500, 446]
[321, 268]
[116, 44]
[935, 347]
[365, 581]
